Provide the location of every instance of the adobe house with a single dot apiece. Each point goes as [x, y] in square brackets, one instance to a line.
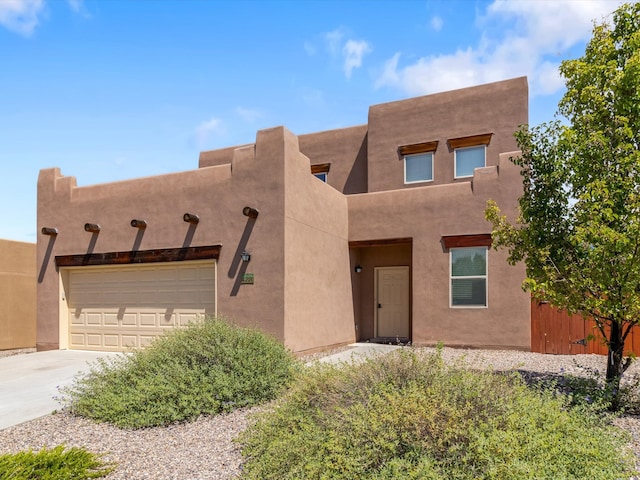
[17, 295]
[374, 232]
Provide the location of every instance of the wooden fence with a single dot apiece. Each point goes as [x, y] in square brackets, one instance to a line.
[555, 331]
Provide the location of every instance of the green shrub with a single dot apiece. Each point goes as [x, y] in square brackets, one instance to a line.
[204, 368]
[410, 416]
[55, 464]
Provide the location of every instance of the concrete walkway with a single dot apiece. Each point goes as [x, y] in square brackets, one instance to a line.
[358, 351]
[29, 382]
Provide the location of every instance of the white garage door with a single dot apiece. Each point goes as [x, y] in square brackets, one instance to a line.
[112, 308]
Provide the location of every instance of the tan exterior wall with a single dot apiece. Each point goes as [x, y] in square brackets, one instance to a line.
[17, 295]
[346, 151]
[264, 176]
[318, 302]
[497, 108]
[426, 214]
[309, 236]
[215, 194]
[223, 156]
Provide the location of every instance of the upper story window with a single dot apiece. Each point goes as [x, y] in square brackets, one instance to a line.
[418, 161]
[418, 168]
[321, 171]
[468, 159]
[469, 154]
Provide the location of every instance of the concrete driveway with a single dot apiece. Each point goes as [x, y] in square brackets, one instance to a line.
[28, 382]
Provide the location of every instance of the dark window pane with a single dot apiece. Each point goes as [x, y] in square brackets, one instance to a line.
[469, 291]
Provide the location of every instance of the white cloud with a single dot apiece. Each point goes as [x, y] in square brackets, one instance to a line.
[20, 16]
[247, 114]
[353, 51]
[333, 40]
[349, 51]
[206, 130]
[528, 40]
[436, 23]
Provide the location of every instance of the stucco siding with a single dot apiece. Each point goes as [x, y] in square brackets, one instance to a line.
[319, 308]
[17, 295]
[346, 151]
[213, 193]
[300, 284]
[426, 215]
[497, 108]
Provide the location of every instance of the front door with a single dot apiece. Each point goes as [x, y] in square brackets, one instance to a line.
[392, 302]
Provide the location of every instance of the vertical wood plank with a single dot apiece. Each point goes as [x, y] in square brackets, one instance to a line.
[576, 334]
[554, 332]
[537, 335]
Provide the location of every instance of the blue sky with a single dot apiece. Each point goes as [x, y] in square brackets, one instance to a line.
[116, 89]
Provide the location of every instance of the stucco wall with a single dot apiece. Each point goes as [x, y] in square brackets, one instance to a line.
[346, 150]
[222, 156]
[305, 291]
[17, 295]
[426, 214]
[216, 194]
[318, 301]
[497, 108]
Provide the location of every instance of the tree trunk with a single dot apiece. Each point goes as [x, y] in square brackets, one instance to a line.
[615, 363]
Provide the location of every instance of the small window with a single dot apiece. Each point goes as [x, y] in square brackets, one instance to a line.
[468, 159]
[321, 171]
[468, 277]
[418, 168]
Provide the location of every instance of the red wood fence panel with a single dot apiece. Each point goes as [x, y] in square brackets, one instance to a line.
[555, 331]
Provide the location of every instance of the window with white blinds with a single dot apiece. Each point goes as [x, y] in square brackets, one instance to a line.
[468, 277]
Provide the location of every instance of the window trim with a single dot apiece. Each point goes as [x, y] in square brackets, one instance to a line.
[414, 148]
[455, 160]
[470, 141]
[321, 169]
[470, 277]
[473, 240]
[406, 182]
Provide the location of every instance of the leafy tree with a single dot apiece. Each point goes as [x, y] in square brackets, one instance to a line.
[578, 230]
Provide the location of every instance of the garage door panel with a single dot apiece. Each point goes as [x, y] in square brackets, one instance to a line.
[129, 319]
[93, 319]
[108, 318]
[148, 320]
[117, 307]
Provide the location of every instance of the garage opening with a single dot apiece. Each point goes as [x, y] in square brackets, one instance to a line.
[114, 307]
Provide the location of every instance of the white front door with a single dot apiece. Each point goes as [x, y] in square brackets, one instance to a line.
[392, 302]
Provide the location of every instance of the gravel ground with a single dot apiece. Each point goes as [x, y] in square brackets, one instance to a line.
[16, 351]
[204, 449]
